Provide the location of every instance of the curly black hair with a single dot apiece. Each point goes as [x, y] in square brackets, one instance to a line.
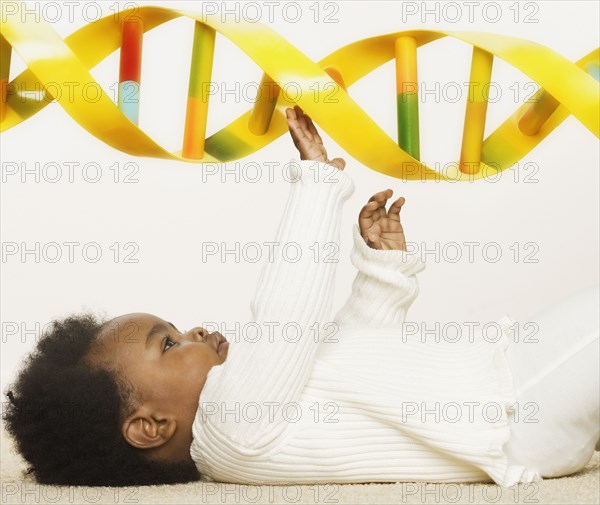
[65, 416]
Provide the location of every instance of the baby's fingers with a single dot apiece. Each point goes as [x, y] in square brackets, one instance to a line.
[394, 212]
[296, 131]
[376, 202]
[313, 129]
[381, 196]
[303, 120]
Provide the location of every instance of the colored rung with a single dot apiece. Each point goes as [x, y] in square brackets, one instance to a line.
[407, 85]
[264, 106]
[544, 104]
[130, 68]
[203, 51]
[5, 55]
[476, 110]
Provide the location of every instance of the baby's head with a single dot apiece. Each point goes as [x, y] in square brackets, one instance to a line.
[111, 403]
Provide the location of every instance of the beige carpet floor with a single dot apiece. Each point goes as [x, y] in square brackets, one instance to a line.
[580, 488]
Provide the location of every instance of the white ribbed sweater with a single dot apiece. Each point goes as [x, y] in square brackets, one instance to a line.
[308, 401]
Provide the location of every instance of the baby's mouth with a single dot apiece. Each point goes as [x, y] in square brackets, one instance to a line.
[219, 341]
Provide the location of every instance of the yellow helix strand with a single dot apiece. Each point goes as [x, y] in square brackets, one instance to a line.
[50, 59]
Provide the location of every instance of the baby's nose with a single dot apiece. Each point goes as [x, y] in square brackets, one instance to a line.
[198, 333]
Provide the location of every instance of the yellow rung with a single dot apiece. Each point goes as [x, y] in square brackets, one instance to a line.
[264, 106]
[477, 101]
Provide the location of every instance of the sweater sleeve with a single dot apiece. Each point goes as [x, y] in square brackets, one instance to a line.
[384, 287]
[243, 402]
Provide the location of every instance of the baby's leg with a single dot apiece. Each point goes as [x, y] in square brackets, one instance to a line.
[559, 378]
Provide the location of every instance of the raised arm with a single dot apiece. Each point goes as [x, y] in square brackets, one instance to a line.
[291, 305]
[245, 401]
[385, 284]
[384, 287]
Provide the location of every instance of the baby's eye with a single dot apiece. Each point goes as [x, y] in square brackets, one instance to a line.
[167, 341]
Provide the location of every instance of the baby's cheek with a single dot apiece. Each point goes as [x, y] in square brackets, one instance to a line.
[196, 365]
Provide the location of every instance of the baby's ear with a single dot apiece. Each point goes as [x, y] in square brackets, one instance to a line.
[145, 429]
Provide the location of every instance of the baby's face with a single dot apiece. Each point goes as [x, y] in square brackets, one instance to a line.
[168, 366]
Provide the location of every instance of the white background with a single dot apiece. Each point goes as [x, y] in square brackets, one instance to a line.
[171, 210]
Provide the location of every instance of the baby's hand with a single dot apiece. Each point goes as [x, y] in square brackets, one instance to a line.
[307, 139]
[381, 229]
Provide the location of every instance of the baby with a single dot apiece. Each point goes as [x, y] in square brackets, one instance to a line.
[135, 401]
[112, 403]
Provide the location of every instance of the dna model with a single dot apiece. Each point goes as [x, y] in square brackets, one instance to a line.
[565, 88]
